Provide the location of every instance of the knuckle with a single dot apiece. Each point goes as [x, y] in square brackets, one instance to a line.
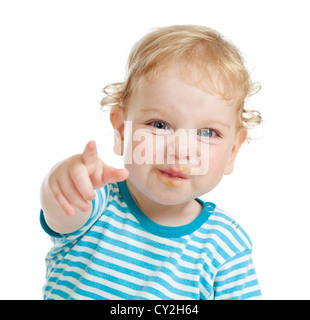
[57, 195]
[78, 174]
[70, 194]
[55, 190]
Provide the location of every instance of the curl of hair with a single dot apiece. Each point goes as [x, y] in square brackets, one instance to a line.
[113, 95]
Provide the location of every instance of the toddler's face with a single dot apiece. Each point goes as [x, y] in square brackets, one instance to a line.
[179, 139]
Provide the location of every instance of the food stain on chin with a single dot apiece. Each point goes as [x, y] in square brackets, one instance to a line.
[167, 182]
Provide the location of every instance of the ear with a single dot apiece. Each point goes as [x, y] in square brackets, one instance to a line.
[239, 140]
[117, 118]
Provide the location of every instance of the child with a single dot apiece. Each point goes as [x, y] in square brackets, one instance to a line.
[142, 232]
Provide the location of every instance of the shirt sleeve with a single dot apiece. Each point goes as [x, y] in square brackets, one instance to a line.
[236, 279]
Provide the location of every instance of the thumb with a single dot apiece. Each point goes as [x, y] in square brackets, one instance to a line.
[111, 174]
[90, 157]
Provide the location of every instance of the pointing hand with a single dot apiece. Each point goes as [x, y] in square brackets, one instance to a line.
[74, 180]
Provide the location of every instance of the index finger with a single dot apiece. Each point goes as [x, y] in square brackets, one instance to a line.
[90, 156]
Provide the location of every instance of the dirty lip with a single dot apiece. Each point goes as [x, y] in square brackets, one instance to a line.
[174, 175]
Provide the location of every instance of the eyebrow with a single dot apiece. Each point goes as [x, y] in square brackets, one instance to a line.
[220, 122]
[162, 112]
[152, 109]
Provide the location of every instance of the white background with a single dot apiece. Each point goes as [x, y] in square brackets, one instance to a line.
[55, 57]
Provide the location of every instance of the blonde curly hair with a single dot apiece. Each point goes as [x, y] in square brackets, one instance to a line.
[195, 46]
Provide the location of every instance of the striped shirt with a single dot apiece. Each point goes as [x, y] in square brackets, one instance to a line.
[121, 254]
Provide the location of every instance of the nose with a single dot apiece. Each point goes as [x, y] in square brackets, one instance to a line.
[182, 146]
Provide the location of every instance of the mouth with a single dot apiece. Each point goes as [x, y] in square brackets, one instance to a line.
[174, 175]
[171, 177]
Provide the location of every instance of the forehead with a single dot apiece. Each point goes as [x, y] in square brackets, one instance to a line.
[205, 78]
[168, 75]
[170, 91]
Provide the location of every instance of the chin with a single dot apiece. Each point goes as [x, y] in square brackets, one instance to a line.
[168, 197]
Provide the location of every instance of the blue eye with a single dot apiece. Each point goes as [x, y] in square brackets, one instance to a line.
[159, 125]
[208, 133]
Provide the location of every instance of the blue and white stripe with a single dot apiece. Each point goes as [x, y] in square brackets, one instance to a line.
[121, 254]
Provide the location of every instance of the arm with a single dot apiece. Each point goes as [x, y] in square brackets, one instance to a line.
[236, 279]
[67, 191]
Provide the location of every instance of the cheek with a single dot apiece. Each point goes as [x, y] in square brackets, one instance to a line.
[139, 151]
[218, 157]
[144, 148]
[217, 161]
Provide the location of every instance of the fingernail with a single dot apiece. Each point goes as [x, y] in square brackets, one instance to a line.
[70, 212]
